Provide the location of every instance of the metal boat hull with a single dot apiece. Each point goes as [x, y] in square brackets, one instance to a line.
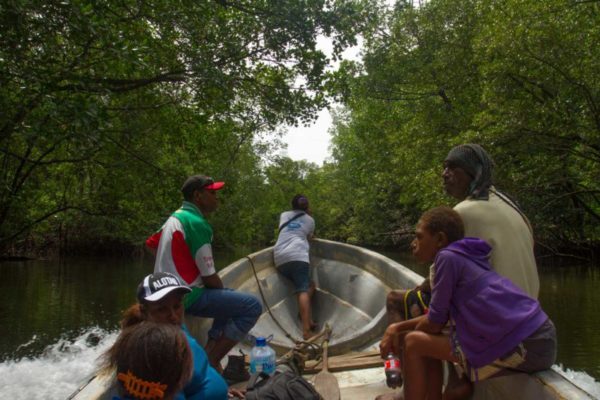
[353, 283]
[352, 286]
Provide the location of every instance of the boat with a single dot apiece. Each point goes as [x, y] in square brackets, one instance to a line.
[352, 284]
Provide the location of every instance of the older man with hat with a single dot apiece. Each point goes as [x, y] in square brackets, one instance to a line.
[492, 216]
[183, 248]
[487, 214]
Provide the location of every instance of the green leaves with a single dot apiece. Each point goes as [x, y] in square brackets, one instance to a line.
[518, 77]
[117, 102]
[108, 106]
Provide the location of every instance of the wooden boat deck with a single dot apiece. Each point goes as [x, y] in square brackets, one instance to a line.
[361, 376]
[355, 385]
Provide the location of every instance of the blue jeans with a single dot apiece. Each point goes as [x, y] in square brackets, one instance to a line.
[234, 313]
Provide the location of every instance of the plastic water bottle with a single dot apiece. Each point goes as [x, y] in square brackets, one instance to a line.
[262, 357]
[393, 373]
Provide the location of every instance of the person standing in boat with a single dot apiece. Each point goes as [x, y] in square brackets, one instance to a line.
[183, 248]
[291, 253]
[496, 328]
[487, 214]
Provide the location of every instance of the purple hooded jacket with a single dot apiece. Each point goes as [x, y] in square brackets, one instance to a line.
[492, 315]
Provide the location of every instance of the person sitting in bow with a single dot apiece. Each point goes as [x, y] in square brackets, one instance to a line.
[495, 327]
[160, 301]
[152, 361]
[183, 247]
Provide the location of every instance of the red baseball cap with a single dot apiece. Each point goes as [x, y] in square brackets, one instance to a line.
[200, 182]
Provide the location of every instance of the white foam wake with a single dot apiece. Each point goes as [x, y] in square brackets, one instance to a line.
[65, 365]
[59, 371]
[581, 379]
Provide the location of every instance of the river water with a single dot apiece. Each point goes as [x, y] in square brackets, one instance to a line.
[56, 318]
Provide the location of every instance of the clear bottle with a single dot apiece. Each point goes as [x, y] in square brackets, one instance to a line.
[393, 372]
[262, 357]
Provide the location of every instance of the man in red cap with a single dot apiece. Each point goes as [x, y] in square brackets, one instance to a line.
[183, 247]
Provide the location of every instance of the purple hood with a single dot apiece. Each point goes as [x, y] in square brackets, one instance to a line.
[474, 248]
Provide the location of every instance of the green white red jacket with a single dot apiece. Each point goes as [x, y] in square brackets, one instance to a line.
[183, 247]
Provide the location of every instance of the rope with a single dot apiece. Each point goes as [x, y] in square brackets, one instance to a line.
[297, 356]
[262, 295]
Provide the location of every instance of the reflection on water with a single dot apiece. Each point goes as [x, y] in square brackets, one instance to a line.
[42, 302]
[570, 296]
[56, 318]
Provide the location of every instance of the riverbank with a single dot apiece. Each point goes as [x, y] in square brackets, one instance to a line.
[103, 247]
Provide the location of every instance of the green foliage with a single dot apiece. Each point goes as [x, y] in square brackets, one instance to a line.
[108, 106]
[519, 77]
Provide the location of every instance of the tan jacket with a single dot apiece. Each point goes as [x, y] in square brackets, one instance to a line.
[510, 236]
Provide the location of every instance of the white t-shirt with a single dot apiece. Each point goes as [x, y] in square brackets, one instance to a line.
[292, 242]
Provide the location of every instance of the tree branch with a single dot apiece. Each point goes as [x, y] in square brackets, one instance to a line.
[44, 217]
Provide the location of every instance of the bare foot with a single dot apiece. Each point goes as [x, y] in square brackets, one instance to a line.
[461, 390]
[313, 324]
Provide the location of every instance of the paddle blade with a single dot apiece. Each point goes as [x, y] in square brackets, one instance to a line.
[327, 385]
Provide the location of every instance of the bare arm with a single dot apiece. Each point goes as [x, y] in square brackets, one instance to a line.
[395, 331]
[212, 281]
[427, 326]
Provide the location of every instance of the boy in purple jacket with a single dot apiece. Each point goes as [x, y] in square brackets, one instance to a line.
[495, 328]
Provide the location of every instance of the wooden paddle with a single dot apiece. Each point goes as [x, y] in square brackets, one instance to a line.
[325, 382]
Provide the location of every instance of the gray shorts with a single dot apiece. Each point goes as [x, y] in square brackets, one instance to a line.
[536, 353]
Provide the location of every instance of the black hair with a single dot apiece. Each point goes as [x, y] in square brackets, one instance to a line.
[193, 183]
[444, 219]
[152, 354]
[300, 202]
